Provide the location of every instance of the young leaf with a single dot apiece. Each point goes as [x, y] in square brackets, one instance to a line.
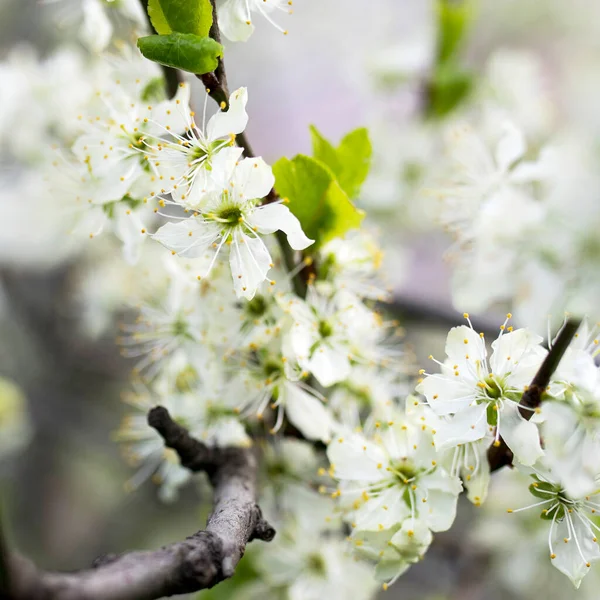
[448, 88]
[181, 16]
[157, 17]
[316, 198]
[454, 19]
[183, 51]
[350, 161]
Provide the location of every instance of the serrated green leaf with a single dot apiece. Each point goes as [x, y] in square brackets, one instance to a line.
[157, 17]
[183, 51]
[316, 198]
[350, 161]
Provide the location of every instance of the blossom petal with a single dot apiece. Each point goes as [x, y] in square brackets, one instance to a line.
[468, 425]
[521, 436]
[252, 178]
[250, 262]
[96, 29]
[172, 116]
[439, 510]
[477, 480]
[445, 394]
[463, 341]
[511, 146]
[307, 413]
[232, 121]
[382, 511]
[273, 217]
[515, 352]
[329, 365]
[235, 21]
[356, 458]
[190, 238]
[571, 539]
[128, 228]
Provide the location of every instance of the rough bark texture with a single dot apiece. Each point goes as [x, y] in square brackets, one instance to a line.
[198, 562]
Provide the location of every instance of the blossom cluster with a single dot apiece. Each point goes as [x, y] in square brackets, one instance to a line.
[250, 332]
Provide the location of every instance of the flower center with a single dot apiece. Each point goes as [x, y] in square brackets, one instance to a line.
[325, 329]
[230, 214]
[256, 307]
[404, 471]
[273, 369]
[549, 491]
[179, 328]
[316, 564]
[186, 379]
[491, 388]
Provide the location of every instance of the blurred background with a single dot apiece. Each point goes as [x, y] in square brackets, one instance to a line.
[345, 63]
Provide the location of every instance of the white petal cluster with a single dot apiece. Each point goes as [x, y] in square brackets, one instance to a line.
[393, 490]
[473, 403]
[475, 396]
[243, 335]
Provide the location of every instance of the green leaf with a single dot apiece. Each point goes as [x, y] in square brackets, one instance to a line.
[448, 88]
[454, 19]
[157, 17]
[181, 16]
[350, 161]
[316, 198]
[183, 51]
[324, 150]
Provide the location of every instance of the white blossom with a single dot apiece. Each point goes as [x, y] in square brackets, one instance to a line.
[572, 537]
[233, 217]
[329, 333]
[477, 395]
[393, 477]
[193, 164]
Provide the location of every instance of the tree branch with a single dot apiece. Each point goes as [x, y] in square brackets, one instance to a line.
[500, 455]
[200, 561]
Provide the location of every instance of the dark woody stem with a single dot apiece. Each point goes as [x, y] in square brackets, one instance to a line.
[499, 454]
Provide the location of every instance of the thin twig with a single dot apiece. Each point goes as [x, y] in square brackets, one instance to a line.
[199, 562]
[500, 455]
